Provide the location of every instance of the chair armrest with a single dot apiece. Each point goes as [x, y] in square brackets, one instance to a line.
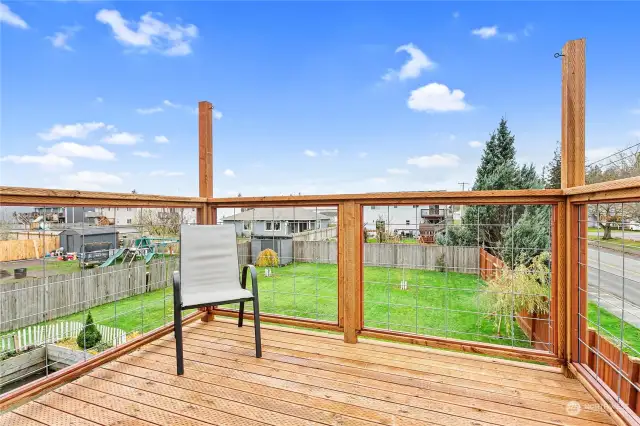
[254, 278]
[177, 297]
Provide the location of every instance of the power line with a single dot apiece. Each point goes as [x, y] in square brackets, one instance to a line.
[463, 184]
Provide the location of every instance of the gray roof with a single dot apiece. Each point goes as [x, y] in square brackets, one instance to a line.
[277, 213]
[92, 230]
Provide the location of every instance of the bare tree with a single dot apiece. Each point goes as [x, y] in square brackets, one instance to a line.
[621, 165]
[159, 222]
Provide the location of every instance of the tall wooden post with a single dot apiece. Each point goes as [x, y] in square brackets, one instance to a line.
[350, 268]
[573, 174]
[205, 167]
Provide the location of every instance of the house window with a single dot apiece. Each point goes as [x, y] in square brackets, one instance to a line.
[373, 207]
[268, 226]
[128, 221]
[276, 226]
[408, 222]
[247, 226]
[128, 209]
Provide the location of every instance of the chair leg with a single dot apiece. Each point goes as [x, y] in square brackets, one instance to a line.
[256, 324]
[177, 327]
[240, 314]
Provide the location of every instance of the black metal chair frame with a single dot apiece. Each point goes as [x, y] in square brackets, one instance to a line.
[178, 308]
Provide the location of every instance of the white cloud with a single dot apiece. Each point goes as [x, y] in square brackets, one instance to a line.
[636, 134]
[456, 14]
[398, 171]
[362, 154]
[310, 153]
[47, 160]
[436, 160]
[417, 62]
[528, 30]
[150, 34]
[72, 149]
[229, 173]
[60, 39]
[145, 154]
[595, 154]
[10, 18]
[635, 111]
[77, 131]
[91, 181]
[165, 173]
[476, 144]
[486, 32]
[170, 104]
[99, 100]
[490, 32]
[161, 139]
[146, 111]
[122, 138]
[437, 97]
[217, 115]
[326, 153]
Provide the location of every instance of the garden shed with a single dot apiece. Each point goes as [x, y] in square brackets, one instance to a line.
[281, 244]
[74, 240]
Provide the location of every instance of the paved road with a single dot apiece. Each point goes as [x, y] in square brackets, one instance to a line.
[606, 283]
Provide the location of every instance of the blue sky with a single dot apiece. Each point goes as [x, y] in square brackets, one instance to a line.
[313, 97]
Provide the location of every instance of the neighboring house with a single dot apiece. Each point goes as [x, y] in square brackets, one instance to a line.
[60, 214]
[117, 216]
[279, 221]
[406, 220]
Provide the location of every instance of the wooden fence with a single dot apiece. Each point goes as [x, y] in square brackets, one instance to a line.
[537, 327]
[456, 259]
[317, 234]
[37, 335]
[34, 300]
[609, 374]
[33, 248]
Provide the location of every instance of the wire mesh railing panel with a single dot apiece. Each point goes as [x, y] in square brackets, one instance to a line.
[477, 273]
[91, 278]
[295, 251]
[609, 296]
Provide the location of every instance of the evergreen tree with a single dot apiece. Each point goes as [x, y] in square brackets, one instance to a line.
[487, 226]
[90, 336]
[552, 172]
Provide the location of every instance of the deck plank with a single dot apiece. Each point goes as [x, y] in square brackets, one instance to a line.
[318, 374]
[307, 378]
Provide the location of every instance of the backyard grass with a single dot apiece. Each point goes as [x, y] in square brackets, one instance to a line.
[613, 327]
[59, 266]
[435, 303]
[402, 241]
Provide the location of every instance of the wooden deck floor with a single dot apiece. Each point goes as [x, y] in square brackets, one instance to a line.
[307, 378]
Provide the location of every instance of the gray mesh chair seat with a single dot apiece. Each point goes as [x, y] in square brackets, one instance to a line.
[209, 276]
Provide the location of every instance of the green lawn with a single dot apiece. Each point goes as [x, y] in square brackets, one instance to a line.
[616, 241]
[613, 325]
[309, 290]
[402, 241]
[60, 267]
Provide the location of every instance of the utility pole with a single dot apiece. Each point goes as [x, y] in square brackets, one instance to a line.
[463, 184]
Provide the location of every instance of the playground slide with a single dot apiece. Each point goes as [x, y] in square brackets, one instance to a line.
[113, 258]
[148, 257]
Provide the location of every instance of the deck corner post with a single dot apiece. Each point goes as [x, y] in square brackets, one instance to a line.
[573, 174]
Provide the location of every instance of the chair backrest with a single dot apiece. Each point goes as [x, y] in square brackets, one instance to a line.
[208, 259]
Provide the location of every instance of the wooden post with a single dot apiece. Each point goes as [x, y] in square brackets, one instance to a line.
[573, 174]
[205, 166]
[350, 263]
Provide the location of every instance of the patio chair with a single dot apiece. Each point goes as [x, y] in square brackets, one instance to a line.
[209, 276]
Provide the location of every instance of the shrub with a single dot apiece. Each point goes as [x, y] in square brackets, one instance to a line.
[90, 336]
[524, 289]
[267, 257]
[441, 264]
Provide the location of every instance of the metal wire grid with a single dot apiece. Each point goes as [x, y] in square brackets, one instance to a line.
[613, 278]
[400, 312]
[145, 304]
[305, 283]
